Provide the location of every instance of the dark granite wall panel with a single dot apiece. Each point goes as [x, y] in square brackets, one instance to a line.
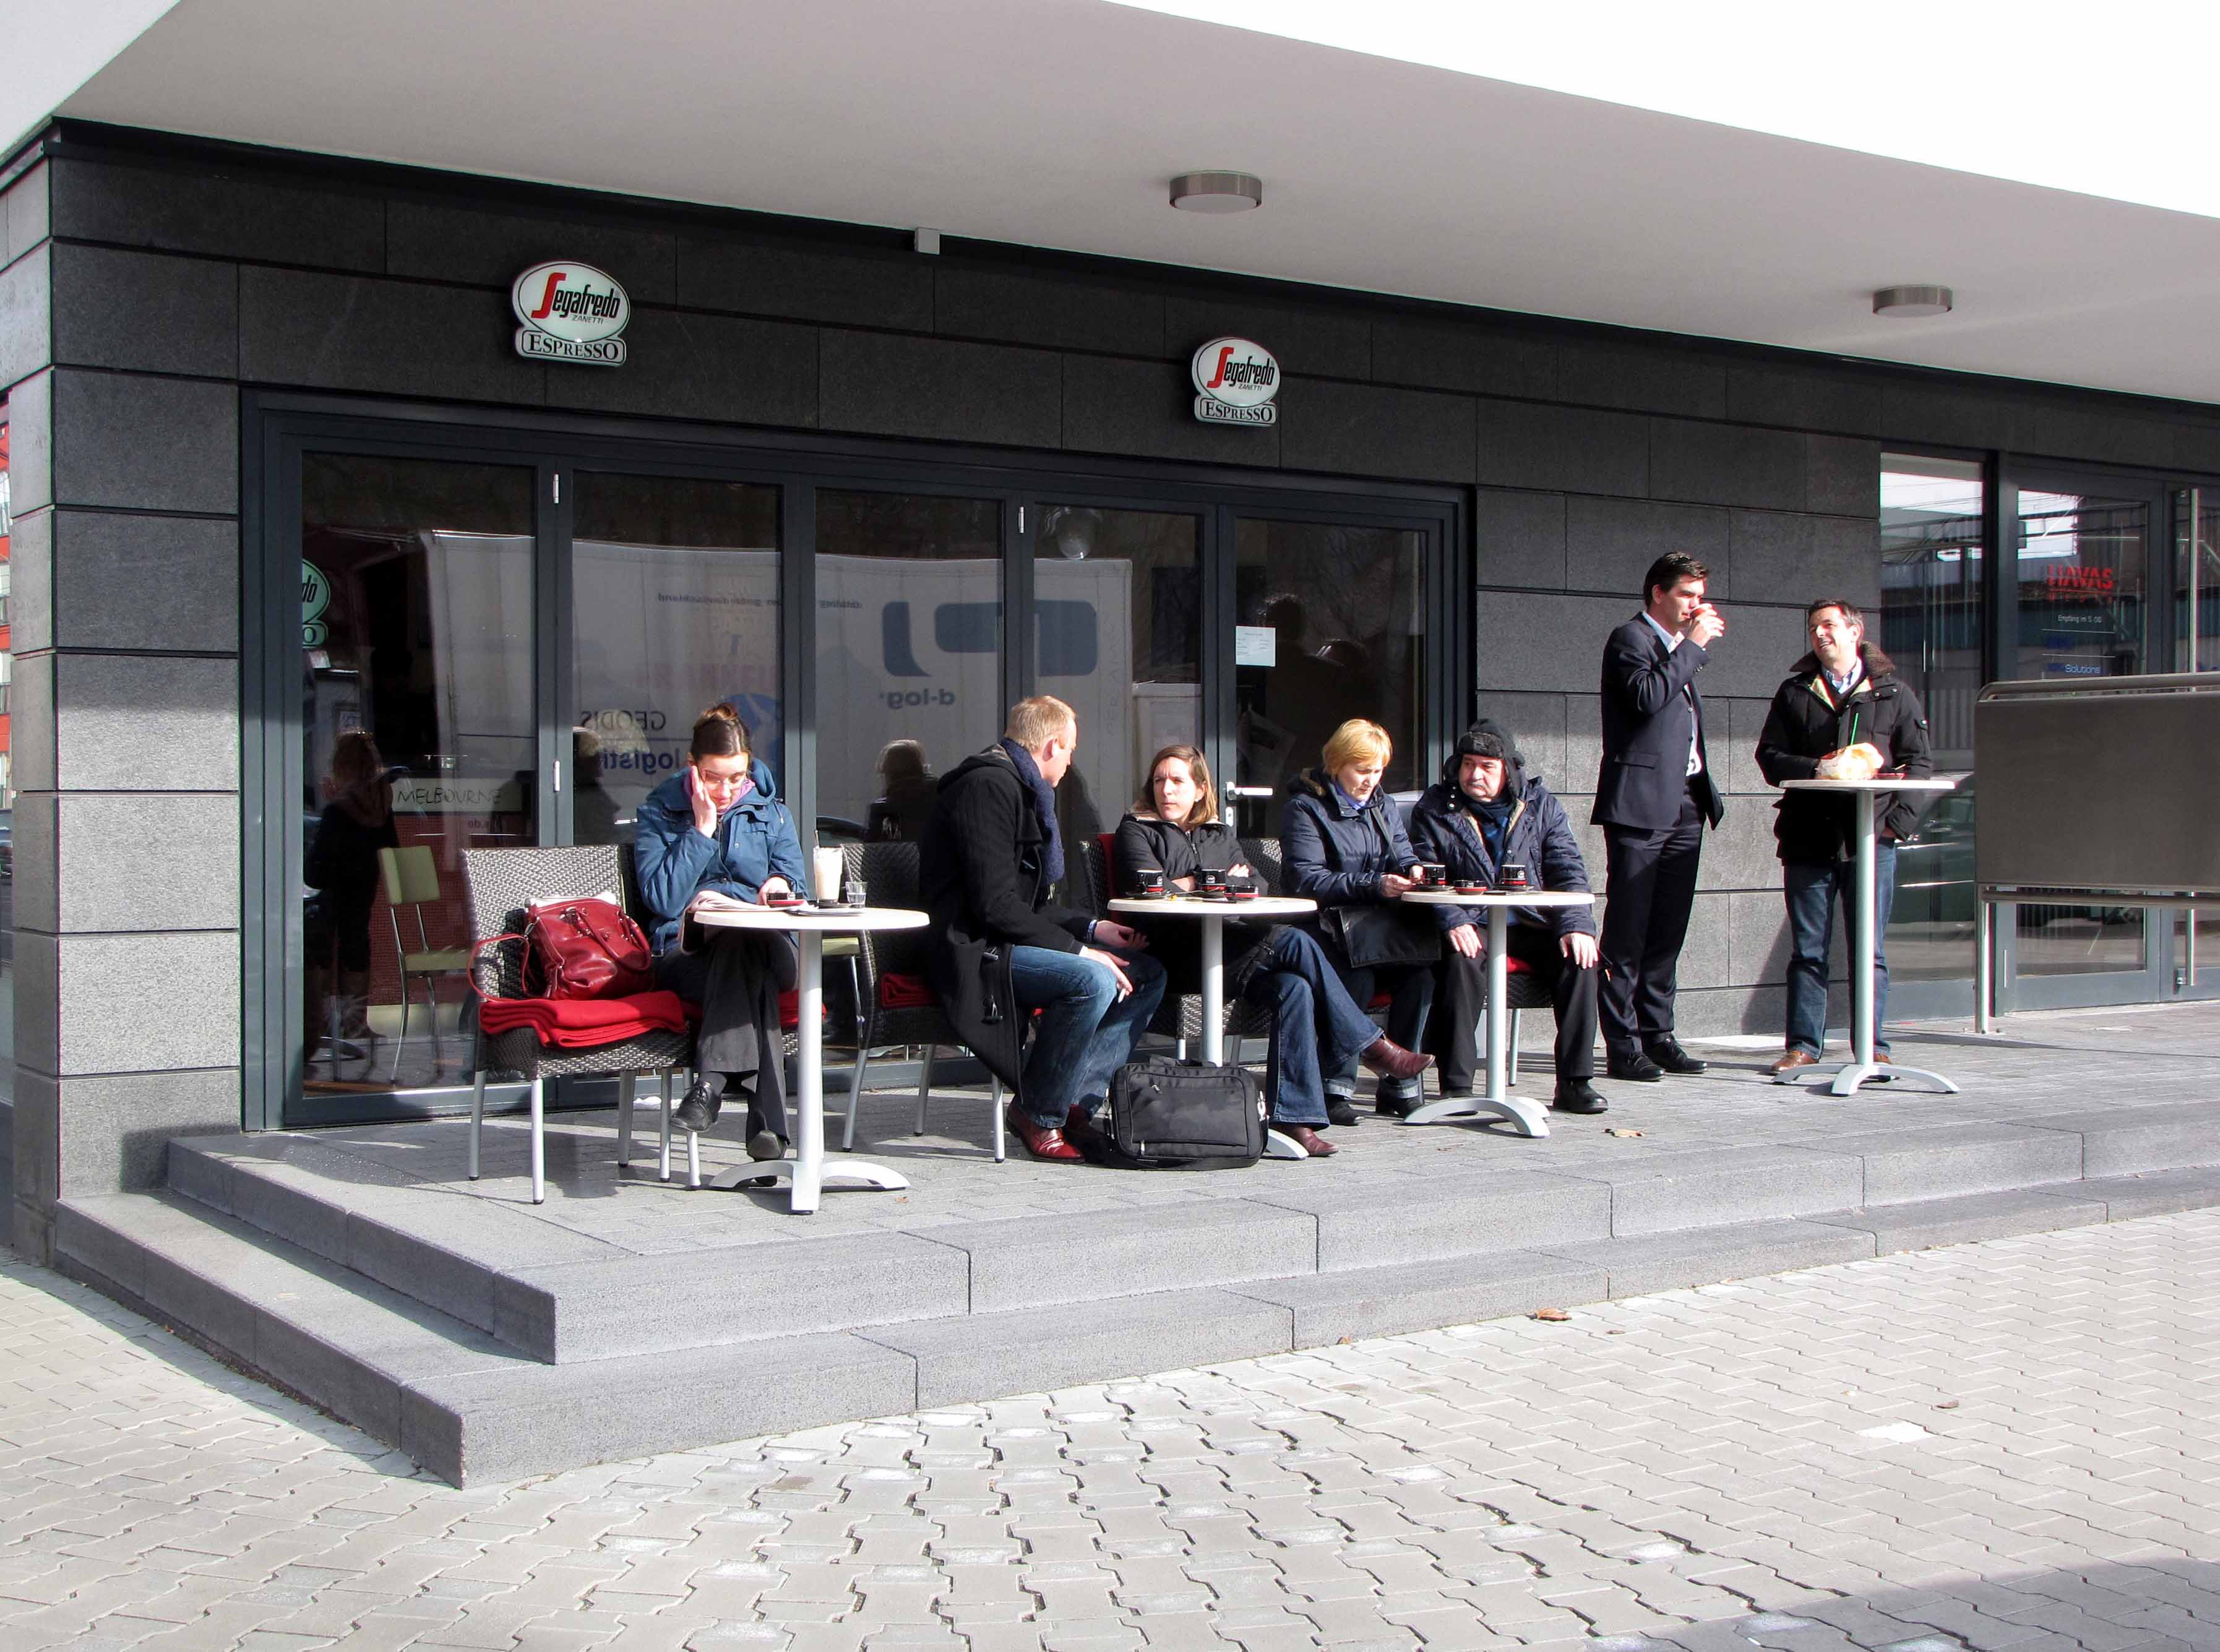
[1520, 538]
[1013, 308]
[1727, 465]
[124, 581]
[23, 213]
[856, 288]
[893, 386]
[26, 317]
[145, 312]
[1648, 380]
[224, 214]
[1370, 430]
[1612, 542]
[1318, 342]
[1803, 399]
[137, 443]
[439, 241]
[402, 338]
[1572, 450]
[685, 365]
[1446, 356]
[1147, 409]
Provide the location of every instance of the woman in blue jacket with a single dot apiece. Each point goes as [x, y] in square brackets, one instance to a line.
[1343, 844]
[718, 827]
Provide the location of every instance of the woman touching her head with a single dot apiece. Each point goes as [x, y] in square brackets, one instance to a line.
[717, 828]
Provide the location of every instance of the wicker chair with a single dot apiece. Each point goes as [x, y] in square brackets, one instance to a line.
[889, 872]
[500, 883]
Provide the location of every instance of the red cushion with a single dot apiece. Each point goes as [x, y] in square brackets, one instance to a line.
[1380, 1001]
[1516, 966]
[905, 992]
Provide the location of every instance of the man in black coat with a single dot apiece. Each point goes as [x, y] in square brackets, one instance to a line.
[1841, 696]
[1653, 793]
[997, 949]
[1484, 813]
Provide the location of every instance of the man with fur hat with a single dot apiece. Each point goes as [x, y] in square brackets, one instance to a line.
[1486, 812]
[1843, 714]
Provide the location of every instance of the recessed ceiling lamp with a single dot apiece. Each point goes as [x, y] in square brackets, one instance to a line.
[1217, 191]
[1903, 303]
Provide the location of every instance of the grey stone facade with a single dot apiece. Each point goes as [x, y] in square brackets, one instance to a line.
[141, 291]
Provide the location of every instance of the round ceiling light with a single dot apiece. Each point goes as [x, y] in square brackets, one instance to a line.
[1904, 303]
[1217, 191]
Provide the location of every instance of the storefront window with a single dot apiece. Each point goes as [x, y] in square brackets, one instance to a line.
[909, 650]
[1331, 620]
[2196, 648]
[419, 742]
[674, 607]
[1931, 515]
[1118, 613]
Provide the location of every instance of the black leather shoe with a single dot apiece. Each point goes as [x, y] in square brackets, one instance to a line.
[764, 1144]
[1393, 1107]
[1578, 1095]
[1668, 1055]
[1340, 1111]
[699, 1110]
[1635, 1069]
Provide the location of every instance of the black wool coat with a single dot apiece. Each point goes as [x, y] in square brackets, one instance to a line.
[1806, 722]
[981, 876]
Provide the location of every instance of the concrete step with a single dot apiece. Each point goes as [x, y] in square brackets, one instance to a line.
[475, 1409]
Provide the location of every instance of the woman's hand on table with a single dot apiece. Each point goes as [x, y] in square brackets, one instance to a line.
[772, 886]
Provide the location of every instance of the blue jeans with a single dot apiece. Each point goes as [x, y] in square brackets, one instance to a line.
[1086, 1032]
[1317, 1028]
[1813, 893]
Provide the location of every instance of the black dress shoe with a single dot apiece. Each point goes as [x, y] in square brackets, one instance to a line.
[1340, 1111]
[764, 1145]
[1668, 1054]
[1392, 1106]
[700, 1109]
[1578, 1095]
[1635, 1069]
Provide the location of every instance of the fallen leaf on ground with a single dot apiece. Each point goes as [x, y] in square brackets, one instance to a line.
[1946, 1405]
[1614, 1129]
[1549, 1313]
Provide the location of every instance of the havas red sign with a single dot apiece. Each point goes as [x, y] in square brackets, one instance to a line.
[570, 312]
[1235, 381]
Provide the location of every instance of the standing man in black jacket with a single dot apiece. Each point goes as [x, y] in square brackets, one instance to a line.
[999, 949]
[1841, 696]
[1653, 793]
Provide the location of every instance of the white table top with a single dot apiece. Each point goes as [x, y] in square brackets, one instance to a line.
[1499, 898]
[1878, 783]
[1187, 906]
[800, 918]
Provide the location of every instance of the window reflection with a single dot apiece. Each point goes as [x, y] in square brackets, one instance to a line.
[909, 650]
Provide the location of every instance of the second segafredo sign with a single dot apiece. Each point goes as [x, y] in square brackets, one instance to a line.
[1235, 380]
[570, 312]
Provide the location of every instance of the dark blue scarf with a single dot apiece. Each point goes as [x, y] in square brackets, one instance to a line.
[1044, 810]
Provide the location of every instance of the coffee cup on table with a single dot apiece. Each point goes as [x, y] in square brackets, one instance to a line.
[1433, 875]
[1149, 884]
[1514, 876]
[1207, 881]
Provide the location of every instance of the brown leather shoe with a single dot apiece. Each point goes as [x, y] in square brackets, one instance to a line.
[1881, 1058]
[1792, 1061]
[1047, 1144]
[1308, 1139]
[1387, 1058]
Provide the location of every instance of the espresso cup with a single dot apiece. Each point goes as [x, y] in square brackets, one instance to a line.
[1209, 883]
[1514, 876]
[1150, 884]
[1433, 875]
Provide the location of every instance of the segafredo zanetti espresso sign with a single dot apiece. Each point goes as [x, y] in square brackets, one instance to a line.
[570, 312]
[1235, 380]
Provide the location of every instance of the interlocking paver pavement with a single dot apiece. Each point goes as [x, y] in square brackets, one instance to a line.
[2006, 1447]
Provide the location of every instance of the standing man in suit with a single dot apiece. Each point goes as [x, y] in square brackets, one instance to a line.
[1653, 795]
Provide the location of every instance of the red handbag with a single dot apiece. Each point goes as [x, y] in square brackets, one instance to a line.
[583, 948]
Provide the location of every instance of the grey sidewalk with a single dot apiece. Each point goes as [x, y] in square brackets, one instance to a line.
[2007, 1445]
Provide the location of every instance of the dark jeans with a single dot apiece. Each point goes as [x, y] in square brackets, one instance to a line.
[1572, 993]
[1813, 892]
[1317, 1028]
[737, 977]
[1411, 989]
[1086, 1032]
[1645, 919]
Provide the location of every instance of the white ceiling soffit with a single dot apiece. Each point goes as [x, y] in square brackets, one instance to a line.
[48, 48]
[1057, 123]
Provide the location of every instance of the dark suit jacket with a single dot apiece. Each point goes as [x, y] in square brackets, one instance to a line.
[1646, 720]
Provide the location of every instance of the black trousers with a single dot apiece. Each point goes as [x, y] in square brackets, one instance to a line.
[1462, 992]
[1645, 918]
[737, 977]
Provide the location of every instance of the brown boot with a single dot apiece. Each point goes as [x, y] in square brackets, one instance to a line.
[1789, 1062]
[1309, 1140]
[1387, 1058]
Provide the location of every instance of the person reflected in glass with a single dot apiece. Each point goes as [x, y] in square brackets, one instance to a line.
[1174, 831]
[714, 834]
[595, 817]
[906, 790]
[341, 866]
[1343, 844]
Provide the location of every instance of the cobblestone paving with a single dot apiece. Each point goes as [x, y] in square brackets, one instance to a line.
[2008, 1445]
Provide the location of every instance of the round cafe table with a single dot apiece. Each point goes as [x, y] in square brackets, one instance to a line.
[806, 1171]
[1843, 1077]
[1524, 1116]
[1213, 915]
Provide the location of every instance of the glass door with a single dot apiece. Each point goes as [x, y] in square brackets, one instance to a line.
[1329, 622]
[418, 738]
[2196, 648]
[2081, 600]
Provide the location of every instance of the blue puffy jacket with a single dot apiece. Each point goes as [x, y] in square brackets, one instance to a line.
[1337, 859]
[755, 840]
[1538, 836]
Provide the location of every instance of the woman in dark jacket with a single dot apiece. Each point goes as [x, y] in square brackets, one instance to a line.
[1317, 1028]
[342, 867]
[718, 829]
[1342, 843]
